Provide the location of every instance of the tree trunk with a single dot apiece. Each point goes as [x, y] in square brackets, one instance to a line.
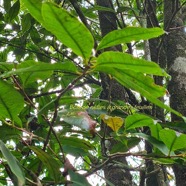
[176, 57]
[112, 91]
[157, 54]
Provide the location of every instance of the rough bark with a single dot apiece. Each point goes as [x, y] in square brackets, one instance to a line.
[157, 54]
[176, 57]
[112, 91]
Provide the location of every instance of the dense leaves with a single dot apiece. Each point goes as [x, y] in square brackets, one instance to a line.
[64, 26]
[51, 163]
[52, 62]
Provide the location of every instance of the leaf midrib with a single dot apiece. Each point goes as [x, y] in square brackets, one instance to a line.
[66, 30]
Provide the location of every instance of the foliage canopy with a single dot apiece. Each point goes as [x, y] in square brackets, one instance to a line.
[43, 118]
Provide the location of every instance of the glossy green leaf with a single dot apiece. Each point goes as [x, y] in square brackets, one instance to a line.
[124, 9]
[164, 161]
[159, 103]
[33, 67]
[13, 164]
[68, 29]
[154, 129]
[7, 5]
[14, 10]
[125, 61]
[75, 151]
[4, 66]
[137, 120]
[177, 125]
[173, 139]
[70, 100]
[52, 164]
[100, 8]
[124, 145]
[156, 143]
[76, 142]
[41, 72]
[142, 84]
[78, 179]
[137, 81]
[11, 102]
[7, 133]
[34, 7]
[127, 35]
[36, 38]
[63, 25]
[26, 22]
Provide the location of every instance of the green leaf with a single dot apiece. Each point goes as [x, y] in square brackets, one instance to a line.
[7, 5]
[137, 120]
[26, 22]
[173, 140]
[78, 179]
[124, 9]
[31, 67]
[75, 151]
[14, 10]
[125, 61]
[127, 35]
[177, 125]
[124, 144]
[51, 163]
[39, 73]
[156, 143]
[70, 99]
[137, 81]
[68, 29]
[154, 129]
[7, 133]
[35, 36]
[100, 8]
[34, 7]
[4, 66]
[142, 84]
[165, 161]
[11, 103]
[2, 26]
[63, 25]
[76, 142]
[13, 163]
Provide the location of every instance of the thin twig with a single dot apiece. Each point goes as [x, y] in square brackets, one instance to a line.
[56, 102]
[29, 50]
[54, 133]
[24, 93]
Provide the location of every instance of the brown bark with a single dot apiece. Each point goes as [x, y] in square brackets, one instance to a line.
[112, 91]
[157, 52]
[176, 57]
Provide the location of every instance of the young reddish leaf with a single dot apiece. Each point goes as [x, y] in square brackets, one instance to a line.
[82, 120]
